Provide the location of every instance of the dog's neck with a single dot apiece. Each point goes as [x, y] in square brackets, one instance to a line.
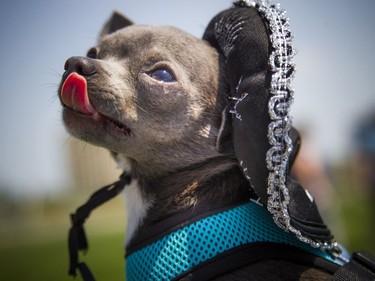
[151, 199]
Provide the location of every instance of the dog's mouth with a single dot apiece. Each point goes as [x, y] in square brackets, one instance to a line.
[74, 97]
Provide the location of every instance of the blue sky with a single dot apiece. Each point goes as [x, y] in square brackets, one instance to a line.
[333, 84]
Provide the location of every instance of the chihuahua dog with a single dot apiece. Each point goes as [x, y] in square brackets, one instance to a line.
[154, 97]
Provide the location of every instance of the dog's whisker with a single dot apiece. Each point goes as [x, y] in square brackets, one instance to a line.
[66, 142]
[118, 112]
[52, 100]
[50, 85]
[54, 73]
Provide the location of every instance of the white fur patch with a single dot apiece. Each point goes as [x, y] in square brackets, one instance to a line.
[205, 131]
[123, 163]
[136, 206]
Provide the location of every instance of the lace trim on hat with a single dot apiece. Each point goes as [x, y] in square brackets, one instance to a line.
[277, 157]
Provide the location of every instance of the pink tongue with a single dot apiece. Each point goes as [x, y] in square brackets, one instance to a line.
[74, 94]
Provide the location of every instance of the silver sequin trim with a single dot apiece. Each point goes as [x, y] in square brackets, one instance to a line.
[279, 108]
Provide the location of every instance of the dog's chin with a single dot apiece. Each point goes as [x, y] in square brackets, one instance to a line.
[95, 128]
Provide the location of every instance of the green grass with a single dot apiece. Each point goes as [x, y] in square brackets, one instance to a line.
[33, 241]
[49, 261]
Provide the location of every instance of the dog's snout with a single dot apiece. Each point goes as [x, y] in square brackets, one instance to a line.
[82, 65]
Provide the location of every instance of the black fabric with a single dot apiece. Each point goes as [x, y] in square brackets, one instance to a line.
[77, 238]
[85, 272]
[241, 36]
[360, 268]
[253, 253]
[304, 214]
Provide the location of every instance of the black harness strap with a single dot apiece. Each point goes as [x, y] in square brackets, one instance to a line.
[254, 253]
[361, 267]
[77, 237]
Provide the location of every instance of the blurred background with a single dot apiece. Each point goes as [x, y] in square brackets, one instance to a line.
[45, 174]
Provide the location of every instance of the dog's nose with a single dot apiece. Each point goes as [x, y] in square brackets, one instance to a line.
[82, 65]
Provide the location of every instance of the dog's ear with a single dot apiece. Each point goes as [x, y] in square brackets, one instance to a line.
[116, 22]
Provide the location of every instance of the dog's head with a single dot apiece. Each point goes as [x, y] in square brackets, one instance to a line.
[149, 93]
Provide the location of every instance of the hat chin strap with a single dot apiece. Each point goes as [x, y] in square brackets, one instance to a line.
[255, 45]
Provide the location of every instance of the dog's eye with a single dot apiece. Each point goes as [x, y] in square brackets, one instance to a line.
[92, 53]
[163, 75]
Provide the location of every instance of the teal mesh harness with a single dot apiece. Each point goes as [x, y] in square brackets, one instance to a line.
[201, 241]
[206, 243]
